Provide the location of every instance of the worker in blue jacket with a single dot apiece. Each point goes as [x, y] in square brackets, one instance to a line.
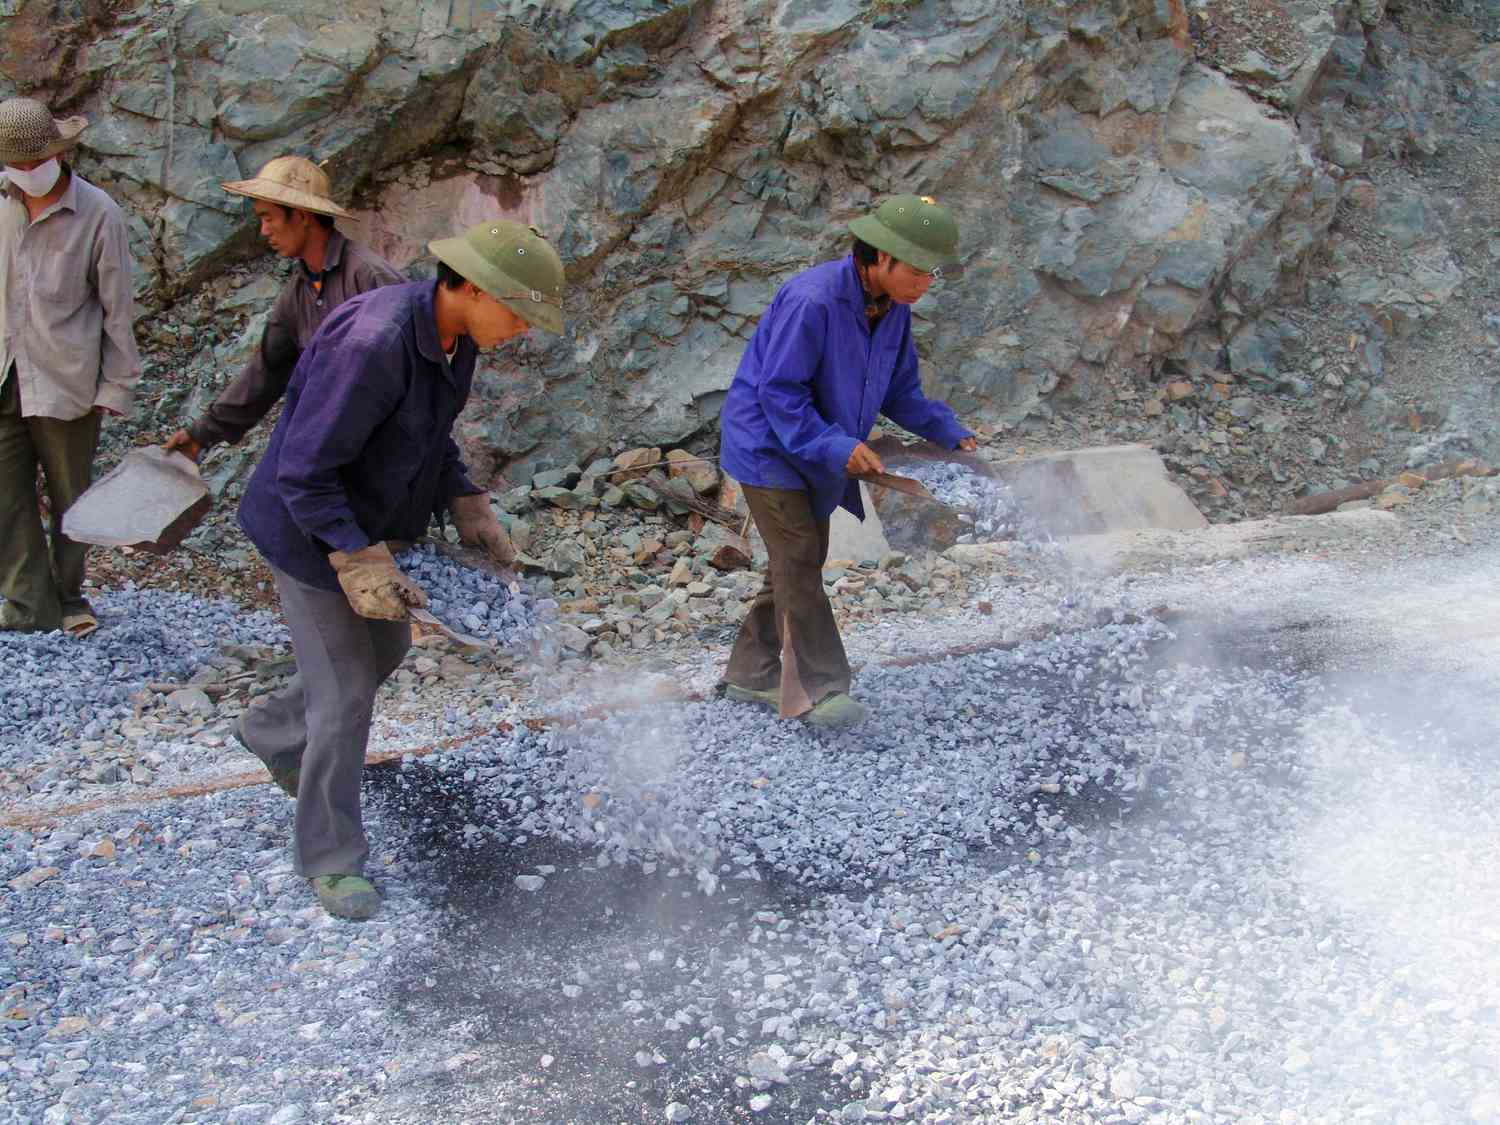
[833, 350]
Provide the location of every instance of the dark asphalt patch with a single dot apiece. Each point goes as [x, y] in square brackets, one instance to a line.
[620, 935]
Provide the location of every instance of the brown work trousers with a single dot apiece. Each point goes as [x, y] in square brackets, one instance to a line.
[790, 628]
[41, 570]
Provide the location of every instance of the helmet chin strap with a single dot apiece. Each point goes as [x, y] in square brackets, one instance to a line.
[875, 306]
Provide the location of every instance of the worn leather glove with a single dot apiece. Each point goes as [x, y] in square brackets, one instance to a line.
[478, 527]
[374, 584]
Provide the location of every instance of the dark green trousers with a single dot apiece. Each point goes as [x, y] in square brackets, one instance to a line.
[41, 570]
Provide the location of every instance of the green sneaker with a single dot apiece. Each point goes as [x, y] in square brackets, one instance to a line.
[346, 896]
[288, 777]
[835, 712]
[287, 774]
[771, 697]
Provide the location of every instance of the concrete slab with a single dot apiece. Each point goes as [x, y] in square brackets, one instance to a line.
[848, 538]
[1096, 491]
[1144, 549]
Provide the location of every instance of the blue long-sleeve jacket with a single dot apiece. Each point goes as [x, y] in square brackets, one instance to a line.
[810, 384]
[363, 450]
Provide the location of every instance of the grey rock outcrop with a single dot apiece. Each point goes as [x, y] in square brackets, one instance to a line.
[1139, 186]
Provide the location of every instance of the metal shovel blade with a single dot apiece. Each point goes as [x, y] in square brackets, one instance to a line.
[150, 500]
[432, 622]
[899, 484]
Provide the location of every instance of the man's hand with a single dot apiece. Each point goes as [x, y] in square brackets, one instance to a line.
[968, 444]
[107, 410]
[375, 586]
[182, 442]
[477, 526]
[864, 460]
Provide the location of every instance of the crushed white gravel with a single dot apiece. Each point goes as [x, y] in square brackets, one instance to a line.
[1238, 865]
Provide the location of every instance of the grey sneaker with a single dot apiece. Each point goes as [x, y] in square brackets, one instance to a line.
[771, 697]
[835, 712]
[346, 896]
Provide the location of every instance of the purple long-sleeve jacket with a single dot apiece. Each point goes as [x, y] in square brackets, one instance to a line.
[363, 451]
[810, 384]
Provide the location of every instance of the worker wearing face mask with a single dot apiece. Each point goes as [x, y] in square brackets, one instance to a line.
[67, 357]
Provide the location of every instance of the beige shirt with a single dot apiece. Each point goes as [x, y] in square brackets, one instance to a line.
[66, 303]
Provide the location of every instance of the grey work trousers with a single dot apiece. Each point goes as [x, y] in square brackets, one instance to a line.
[41, 569]
[790, 613]
[322, 720]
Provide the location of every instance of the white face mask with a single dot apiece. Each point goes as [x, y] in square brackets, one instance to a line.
[37, 182]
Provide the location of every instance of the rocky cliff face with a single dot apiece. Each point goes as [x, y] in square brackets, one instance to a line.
[1145, 186]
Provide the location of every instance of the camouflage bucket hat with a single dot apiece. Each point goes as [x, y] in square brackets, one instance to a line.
[292, 181]
[913, 229]
[514, 264]
[28, 131]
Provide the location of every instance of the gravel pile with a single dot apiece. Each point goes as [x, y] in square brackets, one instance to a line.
[1113, 875]
[57, 687]
[473, 601]
[226, 998]
[986, 506]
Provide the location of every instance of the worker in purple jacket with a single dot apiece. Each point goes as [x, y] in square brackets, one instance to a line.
[363, 454]
[833, 350]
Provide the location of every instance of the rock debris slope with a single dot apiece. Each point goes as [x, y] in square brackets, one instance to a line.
[1150, 194]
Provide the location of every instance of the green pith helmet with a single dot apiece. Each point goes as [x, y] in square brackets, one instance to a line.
[514, 264]
[913, 229]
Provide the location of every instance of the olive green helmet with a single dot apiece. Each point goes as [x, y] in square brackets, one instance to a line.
[514, 264]
[913, 229]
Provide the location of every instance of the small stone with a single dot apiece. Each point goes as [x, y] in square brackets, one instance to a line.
[530, 883]
[69, 1026]
[1177, 391]
[760, 1103]
[191, 701]
[676, 1111]
[99, 849]
[564, 498]
[701, 475]
[766, 1067]
[635, 463]
[33, 878]
[1125, 1083]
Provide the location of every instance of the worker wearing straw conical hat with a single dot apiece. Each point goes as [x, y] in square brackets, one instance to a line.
[363, 455]
[292, 200]
[67, 357]
[833, 350]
